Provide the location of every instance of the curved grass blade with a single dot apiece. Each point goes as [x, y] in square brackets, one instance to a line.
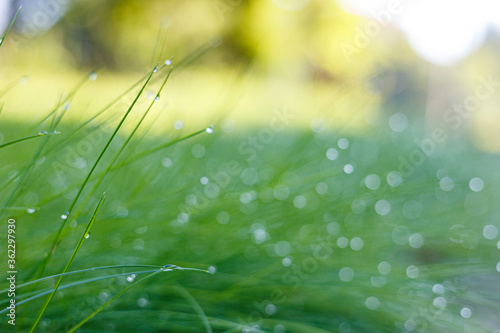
[74, 328]
[196, 307]
[78, 272]
[74, 284]
[27, 138]
[10, 26]
[70, 261]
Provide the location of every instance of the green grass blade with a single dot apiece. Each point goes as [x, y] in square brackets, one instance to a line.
[78, 272]
[70, 261]
[26, 139]
[75, 200]
[154, 150]
[74, 328]
[10, 26]
[122, 148]
[196, 307]
[73, 284]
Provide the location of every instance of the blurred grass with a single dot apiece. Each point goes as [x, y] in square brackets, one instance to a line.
[292, 208]
[142, 223]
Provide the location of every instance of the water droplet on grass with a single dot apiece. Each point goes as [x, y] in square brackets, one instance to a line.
[30, 210]
[343, 143]
[64, 215]
[439, 302]
[168, 62]
[169, 267]
[332, 154]
[131, 278]
[394, 178]
[372, 303]
[372, 182]
[490, 231]
[93, 76]
[416, 241]
[348, 168]
[155, 69]
[87, 235]
[438, 288]
[346, 274]
[157, 98]
[212, 269]
[466, 313]
[178, 124]
[412, 271]
[42, 133]
[166, 162]
[384, 268]
[382, 207]
[210, 129]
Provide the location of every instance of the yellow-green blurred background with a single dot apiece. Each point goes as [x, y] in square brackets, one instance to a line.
[271, 54]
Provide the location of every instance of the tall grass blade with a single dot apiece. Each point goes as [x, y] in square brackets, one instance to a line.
[70, 261]
[10, 26]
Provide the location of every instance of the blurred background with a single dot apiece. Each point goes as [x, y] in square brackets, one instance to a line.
[368, 126]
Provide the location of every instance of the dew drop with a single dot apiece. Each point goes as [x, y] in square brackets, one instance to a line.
[210, 129]
[438, 288]
[178, 124]
[412, 271]
[384, 268]
[476, 184]
[42, 133]
[169, 267]
[372, 303]
[64, 215]
[356, 244]
[212, 269]
[142, 302]
[439, 302]
[490, 231]
[93, 76]
[157, 98]
[286, 261]
[348, 168]
[204, 180]
[382, 207]
[466, 313]
[168, 62]
[343, 143]
[166, 162]
[87, 235]
[332, 154]
[131, 278]
[30, 210]
[346, 274]
[155, 69]
[372, 182]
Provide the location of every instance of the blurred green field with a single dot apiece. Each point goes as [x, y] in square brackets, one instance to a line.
[272, 185]
[308, 230]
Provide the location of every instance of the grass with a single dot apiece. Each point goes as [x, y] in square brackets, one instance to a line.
[294, 240]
